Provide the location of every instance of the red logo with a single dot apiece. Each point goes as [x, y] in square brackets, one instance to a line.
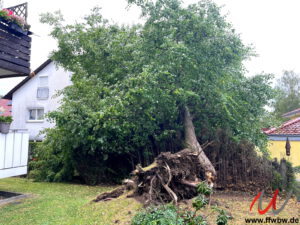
[272, 203]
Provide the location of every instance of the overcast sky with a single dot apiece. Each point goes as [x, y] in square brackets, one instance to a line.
[271, 26]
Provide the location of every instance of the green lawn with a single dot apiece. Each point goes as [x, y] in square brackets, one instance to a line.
[70, 204]
[57, 203]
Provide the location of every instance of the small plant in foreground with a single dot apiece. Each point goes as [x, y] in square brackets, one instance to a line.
[204, 189]
[166, 214]
[171, 215]
[223, 217]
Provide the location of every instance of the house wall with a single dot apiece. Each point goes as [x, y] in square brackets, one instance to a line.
[26, 97]
[277, 150]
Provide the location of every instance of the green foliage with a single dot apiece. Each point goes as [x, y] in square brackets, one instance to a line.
[297, 169]
[167, 215]
[283, 176]
[158, 216]
[171, 215]
[60, 164]
[223, 217]
[290, 176]
[51, 164]
[200, 202]
[130, 85]
[297, 190]
[288, 93]
[277, 181]
[6, 119]
[33, 149]
[204, 189]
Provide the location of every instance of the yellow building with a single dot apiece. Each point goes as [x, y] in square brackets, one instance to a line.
[284, 142]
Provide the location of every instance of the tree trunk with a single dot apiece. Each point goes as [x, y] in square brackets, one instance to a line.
[193, 144]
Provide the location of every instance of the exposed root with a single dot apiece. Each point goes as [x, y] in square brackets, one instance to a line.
[166, 186]
[107, 196]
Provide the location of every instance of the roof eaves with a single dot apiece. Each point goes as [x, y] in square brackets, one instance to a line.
[288, 123]
[32, 74]
[291, 113]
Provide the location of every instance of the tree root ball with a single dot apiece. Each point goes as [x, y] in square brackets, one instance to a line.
[172, 177]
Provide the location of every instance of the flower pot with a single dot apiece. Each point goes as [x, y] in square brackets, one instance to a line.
[4, 127]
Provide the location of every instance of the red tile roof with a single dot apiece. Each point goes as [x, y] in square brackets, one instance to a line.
[5, 107]
[291, 127]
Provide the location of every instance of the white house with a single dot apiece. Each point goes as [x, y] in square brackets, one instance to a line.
[35, 96]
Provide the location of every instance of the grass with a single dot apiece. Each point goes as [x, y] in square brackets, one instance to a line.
[62, 204]
[70, 204]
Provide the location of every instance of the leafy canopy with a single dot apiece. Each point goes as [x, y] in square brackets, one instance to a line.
[130, 83]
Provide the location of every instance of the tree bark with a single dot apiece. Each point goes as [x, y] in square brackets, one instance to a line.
[193, 144]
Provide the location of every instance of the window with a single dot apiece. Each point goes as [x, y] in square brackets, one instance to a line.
[43, 90]
[36, 114]
[43, 81]
[43, 93]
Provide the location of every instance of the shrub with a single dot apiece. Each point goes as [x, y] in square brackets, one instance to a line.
[158, 215]
[297, 169]
[283, 176]
[56, 161]
[171, 215]
[290, 176]
[277, 181]
[223, 217]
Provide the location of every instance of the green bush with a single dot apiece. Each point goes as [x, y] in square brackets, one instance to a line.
[277, 181]
[167, 215]
[50, 164]
[223, 217]
[171, 215]
[56, 161]
[296, 169]
[290, 176]
[284, 178]
[204, 189]
[163, 215]
[297, 191]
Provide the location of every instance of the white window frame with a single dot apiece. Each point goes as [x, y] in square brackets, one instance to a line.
[37, 91]
[43, 76]
[36, 115]
[43, 87]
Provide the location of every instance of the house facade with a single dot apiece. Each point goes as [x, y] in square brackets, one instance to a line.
[284, 141]
[35, 96]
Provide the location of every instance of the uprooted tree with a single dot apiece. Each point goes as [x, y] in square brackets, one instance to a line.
[150, 88]
[177, 176]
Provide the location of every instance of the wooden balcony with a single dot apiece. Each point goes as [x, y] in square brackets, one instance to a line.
[14, 48]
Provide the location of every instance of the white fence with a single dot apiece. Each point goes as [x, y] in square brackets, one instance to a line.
[13, 154]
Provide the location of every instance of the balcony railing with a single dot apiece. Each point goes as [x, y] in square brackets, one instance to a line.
[15, 46]
[13, 154]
